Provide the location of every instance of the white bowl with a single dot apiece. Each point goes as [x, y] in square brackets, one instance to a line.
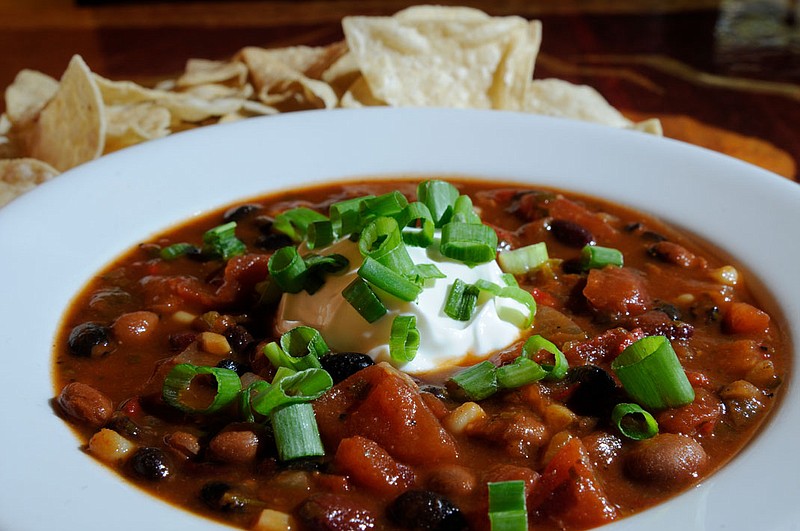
[54, 238]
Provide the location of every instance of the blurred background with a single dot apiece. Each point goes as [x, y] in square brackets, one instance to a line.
[719, 73]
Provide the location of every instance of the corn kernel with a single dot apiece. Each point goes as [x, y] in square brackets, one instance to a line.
[214, 343]
[460, 418]
[272, 520]
[109, 446]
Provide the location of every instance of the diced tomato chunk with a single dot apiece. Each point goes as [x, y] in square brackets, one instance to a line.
[568, 491]
[602, 348]
[381, 404]
[698, 418]
[743, 318]
[617, 290]
[241, 274]
[371, 466]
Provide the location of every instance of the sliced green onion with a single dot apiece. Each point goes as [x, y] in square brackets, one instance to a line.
[300, 348]
[634, 422]
[596, 257]
[296, 432]
[440, 198]
[428, 271]
[363, 299]
[507, 509]
[221, 241]
[417, 214]
[288, 269]
[303, 386]
[463, 212]
[404, 338]
[303, 340]
[470, 243]
[521, 372]
[525, 259]
[318, 266]
[510, 280]
[176, 250]
[283, 372]
[388, 280]
[179, 379]
[346, 215]
[522, 319]
[652, 375]
[320, 234]
[381, 240]
[477, 382]
[280, 358]
[390, 204]
[512, 315]
[461, 301]
[560, 366]
[295, 222]
[247, 393]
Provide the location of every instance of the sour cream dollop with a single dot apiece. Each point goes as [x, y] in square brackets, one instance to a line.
[444, 341]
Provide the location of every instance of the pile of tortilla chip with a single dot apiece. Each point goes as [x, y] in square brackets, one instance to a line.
[428, 56]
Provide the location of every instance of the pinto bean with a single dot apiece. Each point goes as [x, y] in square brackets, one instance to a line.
[85, 404]
[237, 444]
[134, 327]
[667, 459]
[184, 444]
[452, 480]
[329, 512]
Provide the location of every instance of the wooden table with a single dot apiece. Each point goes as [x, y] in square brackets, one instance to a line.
[723, 74]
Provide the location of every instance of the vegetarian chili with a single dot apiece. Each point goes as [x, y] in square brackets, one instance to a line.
[641, 363]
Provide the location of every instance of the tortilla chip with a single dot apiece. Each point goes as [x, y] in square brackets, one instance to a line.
[342, 73]
[445, 57]
[17, 176]
[212, 91]
[28, 94]
[281, 76]
[359, 95]
[204, 72]
[132, 124]
[555, 97]
[71, 128]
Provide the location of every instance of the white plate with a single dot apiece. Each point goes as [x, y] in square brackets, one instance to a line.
[54, 238]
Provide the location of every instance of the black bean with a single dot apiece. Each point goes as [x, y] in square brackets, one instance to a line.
[239, 338]
[233, 365]
[264, 223]
[572, 265]
[436, 390]
[220, 497]
[326, 511]
[596, 393]
[423, 509]
[273, 241]
[124, 425]
[90, 340]
[571, 233]
[669, 309]
[238, 213]
[150, 463]
[344, 364]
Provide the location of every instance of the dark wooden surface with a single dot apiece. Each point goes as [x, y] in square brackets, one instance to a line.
[724, 74]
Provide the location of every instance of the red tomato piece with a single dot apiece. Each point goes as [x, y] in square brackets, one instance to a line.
[569, 492]
[381, 404]
[371, 466]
